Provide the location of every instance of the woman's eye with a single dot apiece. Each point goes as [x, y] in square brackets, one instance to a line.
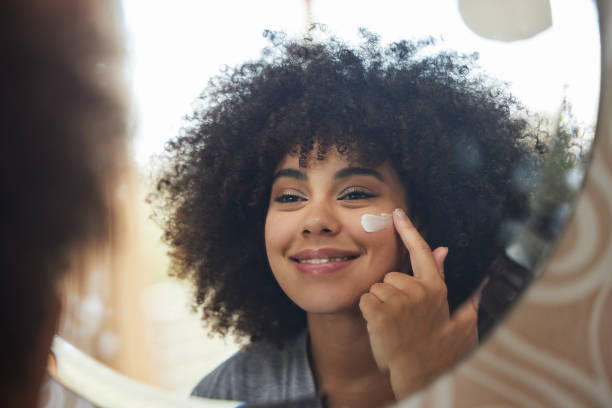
[288, 198]
[356, 194]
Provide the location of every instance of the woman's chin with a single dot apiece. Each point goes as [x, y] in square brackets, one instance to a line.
[330, 306]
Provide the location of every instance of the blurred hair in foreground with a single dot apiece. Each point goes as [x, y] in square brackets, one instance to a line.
[63, 133]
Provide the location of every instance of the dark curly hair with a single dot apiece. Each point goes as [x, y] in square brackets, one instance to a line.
[452, 135]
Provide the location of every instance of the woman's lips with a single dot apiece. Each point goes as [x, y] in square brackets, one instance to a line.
[323, 268]
[323, 261]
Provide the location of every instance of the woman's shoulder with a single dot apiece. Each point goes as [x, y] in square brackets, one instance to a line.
[263, 373]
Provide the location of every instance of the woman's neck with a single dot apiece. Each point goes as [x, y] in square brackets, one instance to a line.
[342, 361]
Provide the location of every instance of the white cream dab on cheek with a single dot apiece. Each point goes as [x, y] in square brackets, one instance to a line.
[372, 223]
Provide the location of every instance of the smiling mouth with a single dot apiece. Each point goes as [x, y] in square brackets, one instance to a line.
[324, 260]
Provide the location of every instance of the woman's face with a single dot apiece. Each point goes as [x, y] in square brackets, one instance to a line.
[317, 249]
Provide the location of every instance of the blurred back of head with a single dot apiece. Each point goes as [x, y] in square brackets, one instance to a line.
[63, 136]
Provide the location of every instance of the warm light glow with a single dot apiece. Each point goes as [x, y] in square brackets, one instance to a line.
[175, 47]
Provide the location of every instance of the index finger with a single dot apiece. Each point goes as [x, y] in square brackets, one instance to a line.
[424, 265]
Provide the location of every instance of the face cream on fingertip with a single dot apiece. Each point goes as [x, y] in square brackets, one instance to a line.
[372, 223]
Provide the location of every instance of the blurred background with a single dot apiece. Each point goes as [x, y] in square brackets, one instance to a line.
[124, 310]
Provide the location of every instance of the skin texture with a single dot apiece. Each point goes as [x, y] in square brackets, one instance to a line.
[325, 212]
[411, 331]
[398, 324]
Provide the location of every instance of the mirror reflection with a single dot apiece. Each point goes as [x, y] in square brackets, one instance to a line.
[264, 197]
[261, 195]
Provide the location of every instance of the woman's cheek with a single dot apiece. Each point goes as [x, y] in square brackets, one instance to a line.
[381, 247]
[277, 236]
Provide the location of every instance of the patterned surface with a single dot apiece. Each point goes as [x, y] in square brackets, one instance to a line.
[555, 348]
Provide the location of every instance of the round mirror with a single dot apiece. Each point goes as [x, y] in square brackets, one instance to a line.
[130, 315]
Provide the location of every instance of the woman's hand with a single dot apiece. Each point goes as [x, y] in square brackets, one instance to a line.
[411, 332]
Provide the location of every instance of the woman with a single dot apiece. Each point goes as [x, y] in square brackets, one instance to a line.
[265, 195]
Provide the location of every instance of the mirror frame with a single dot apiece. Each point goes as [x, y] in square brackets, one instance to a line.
[499, 363]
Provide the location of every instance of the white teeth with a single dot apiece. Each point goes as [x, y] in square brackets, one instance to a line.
[325, 260]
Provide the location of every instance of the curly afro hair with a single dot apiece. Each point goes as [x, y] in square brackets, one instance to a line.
[452, 135]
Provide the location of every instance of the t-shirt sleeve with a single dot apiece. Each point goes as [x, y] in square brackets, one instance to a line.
[261, 375]
[222, 382]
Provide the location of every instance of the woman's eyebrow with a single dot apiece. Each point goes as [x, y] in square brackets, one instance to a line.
[291, 173]
[358, 171]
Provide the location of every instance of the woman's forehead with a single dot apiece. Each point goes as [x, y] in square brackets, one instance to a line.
[336, 163]
[315, 160]
[350, 156]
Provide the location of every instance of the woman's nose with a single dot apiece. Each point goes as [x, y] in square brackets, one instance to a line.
[320, 220]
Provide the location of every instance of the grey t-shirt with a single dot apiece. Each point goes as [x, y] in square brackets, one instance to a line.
[263, 374]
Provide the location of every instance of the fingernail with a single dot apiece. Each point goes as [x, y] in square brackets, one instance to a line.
[400, 214]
